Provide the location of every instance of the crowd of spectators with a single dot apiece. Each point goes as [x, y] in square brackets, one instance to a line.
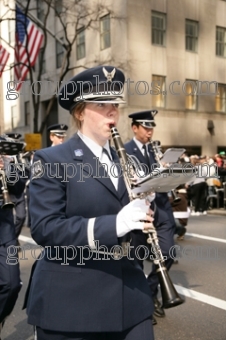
[206, 192]
[203, 193]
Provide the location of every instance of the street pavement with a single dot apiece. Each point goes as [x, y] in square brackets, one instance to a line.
[199, 277]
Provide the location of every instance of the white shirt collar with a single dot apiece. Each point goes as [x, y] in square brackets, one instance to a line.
[93, 146]
[139, 144]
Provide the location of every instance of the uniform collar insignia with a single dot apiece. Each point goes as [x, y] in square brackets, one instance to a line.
[109, 75]
[78, 152]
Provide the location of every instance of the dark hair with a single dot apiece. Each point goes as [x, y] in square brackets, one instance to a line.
[135, 123]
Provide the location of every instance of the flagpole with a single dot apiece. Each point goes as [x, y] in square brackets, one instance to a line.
[37, 21]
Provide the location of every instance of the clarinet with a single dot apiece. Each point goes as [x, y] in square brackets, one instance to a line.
[170, 297]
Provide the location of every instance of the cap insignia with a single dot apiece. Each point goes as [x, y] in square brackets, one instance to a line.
[109, 75]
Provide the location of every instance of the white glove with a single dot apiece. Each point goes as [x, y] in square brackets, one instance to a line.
[151, 197]
[129, 217]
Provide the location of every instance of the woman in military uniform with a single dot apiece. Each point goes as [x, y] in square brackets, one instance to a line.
[86, 285]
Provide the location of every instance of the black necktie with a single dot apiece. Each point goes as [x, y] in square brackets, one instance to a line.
[112, 173]
[146, 156]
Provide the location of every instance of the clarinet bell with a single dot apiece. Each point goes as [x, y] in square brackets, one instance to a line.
[170, 297]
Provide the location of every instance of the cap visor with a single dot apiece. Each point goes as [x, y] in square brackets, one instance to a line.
[101, 97]
[148, 126]
[108, 101]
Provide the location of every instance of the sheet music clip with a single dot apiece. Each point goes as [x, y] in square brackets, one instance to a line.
[164, 180]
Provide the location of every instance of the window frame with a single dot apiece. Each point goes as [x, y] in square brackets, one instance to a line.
[193, 98]
[191, 39]
[58, 6]
[220, 44]
[105, 33]
[40, 6]
[158, 33]
[59, 53]
[221, 99]
[81, 45]
[158, 91]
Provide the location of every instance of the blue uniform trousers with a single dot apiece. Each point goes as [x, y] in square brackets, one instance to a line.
[143, 330]
[10, 284]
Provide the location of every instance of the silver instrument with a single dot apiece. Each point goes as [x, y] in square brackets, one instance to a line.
[170, 297]
[9, 147]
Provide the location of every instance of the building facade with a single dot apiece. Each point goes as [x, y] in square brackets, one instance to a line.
[173, 54]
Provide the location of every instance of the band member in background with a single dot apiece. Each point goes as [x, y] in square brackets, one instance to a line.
[10, 283]
[18, 198]
[99, 298]
[57, 133]
[180, 209]
[197, 189]
[143, 125]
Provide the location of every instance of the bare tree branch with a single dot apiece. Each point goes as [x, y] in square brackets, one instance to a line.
[70, 18]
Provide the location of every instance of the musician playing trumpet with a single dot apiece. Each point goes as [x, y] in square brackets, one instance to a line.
[143, 124]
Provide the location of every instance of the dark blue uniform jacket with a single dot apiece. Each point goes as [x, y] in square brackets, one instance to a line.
[98, 295]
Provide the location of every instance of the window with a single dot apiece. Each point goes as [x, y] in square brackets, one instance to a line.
[220, 100]
[58, 6]
[11, 31]
[27, 113]
[80, 45]
[105, 33]
[13, 116]
[158, 28]
[40, 10]
[158, 87]
[42, 61]
[221, 41]
[59, 53]
[190, 92]
[191, 39]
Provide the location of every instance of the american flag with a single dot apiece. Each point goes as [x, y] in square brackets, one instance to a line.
[4, 56]
[28, 42]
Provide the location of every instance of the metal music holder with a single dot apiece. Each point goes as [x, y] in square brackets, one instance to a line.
[164, 180]
[10, 148]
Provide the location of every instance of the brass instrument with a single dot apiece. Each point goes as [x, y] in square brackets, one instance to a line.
[170, 297]
[7, 204]
[8, 146]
